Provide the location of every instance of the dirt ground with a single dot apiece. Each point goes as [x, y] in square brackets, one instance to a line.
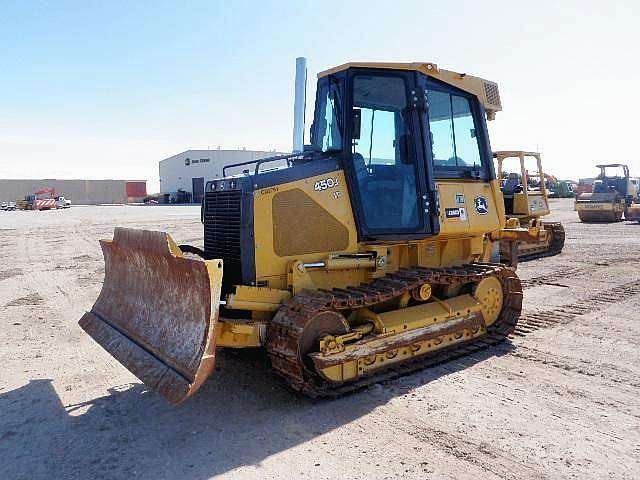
[562, 400]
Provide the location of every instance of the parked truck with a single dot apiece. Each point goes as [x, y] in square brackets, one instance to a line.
[62, 202]
[44, 199]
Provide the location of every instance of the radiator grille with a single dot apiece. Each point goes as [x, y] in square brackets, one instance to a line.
[222, 224]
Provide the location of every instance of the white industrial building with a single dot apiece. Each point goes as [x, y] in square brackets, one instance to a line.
[189, 171]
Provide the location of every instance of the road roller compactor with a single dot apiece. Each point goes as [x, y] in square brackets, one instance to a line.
[526, 200]
[359, 259]
[613, 195]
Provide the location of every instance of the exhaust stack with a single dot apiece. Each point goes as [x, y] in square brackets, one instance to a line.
[299, 104]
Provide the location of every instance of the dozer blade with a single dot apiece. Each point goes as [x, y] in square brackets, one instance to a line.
[551, 246]
[157, 311]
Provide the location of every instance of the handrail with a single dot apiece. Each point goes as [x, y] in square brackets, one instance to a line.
[260, 161]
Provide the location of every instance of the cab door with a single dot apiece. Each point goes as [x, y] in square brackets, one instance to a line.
[457, 147]
[393, 189]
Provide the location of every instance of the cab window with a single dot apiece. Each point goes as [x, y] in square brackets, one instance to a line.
[328, 131]
[454, 140]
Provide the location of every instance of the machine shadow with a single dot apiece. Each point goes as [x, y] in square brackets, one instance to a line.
[241, 416]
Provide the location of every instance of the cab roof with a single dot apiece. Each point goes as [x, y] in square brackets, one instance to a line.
[606, 165]
[486, 90]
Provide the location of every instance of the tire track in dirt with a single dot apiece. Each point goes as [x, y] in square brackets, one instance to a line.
[608, 372]
[28, 300]
[530, 322]
[574, 271]
[12, 272]
[605, 371]
[553, 277]
[480, 454]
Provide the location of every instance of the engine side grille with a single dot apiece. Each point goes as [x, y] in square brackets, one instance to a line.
[222, 229]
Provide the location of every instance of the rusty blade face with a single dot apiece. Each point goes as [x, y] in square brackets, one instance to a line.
[157, 311]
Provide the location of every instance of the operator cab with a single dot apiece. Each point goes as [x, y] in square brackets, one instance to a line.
[396, 130]
[523, 183]
[613, 178]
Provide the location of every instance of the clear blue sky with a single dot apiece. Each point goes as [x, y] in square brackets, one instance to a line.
[106, 89]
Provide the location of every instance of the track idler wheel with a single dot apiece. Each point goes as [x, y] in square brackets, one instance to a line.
[324, 323]
[489, 293]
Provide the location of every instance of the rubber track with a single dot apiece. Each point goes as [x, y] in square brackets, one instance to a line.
[288, 324]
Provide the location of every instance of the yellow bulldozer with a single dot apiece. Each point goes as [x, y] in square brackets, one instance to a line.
[526, 199]
[363, 258]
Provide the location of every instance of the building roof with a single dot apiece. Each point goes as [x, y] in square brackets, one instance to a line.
[217, 151]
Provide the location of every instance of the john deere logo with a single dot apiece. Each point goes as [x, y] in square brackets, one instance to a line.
[481, 205]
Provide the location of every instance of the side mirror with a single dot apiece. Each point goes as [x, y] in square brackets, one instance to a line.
[357, 123]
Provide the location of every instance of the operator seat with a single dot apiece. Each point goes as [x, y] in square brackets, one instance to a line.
[512, 185]
[360, 167]
[599, 187]
[388, 192]
[510, 188]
